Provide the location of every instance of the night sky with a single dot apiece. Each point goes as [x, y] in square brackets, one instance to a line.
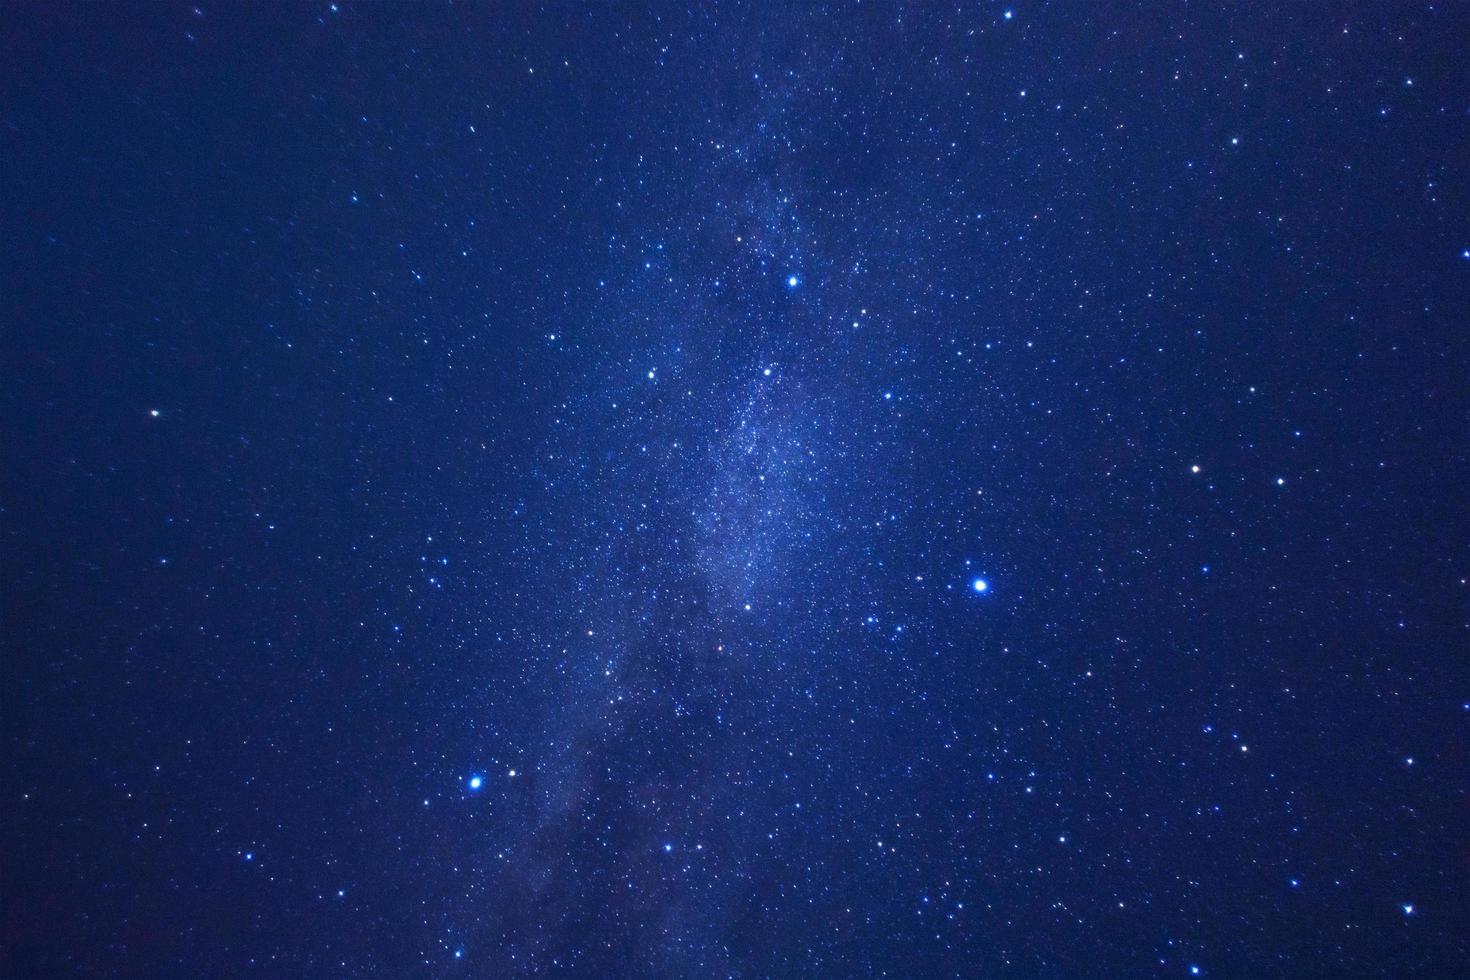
[750, 490]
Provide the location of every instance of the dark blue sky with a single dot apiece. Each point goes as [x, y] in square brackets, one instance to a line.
[747, 490]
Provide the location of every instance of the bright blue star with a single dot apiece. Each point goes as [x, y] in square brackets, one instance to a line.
[476, 782]
[792, 282]
[980, 585]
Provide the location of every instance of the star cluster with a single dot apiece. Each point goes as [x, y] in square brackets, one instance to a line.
[722, 489]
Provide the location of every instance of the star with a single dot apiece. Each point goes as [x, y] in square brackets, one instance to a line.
[980, 585]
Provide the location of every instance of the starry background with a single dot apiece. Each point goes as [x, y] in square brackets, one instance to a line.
[735, 490]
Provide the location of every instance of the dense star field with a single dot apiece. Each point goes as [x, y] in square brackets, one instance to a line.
[735, 490]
